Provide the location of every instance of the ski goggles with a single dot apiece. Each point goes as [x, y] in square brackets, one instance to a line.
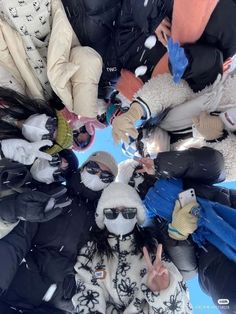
[127, 212]
[93, 168]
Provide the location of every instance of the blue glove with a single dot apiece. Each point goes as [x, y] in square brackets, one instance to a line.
[177, 58]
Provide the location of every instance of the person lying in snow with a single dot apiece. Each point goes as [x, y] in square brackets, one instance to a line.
[200, 41]
[49, 249]
[114, 271]
[184, 164]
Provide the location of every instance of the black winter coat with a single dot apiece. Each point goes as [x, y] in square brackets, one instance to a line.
[200, 167]
[53, 250]
[136, 22]
[217, 43]
[94, 22]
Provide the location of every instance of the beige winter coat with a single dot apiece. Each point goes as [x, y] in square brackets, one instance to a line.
[73, 71]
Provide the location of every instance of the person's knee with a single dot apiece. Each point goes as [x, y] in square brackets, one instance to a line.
[87, 57]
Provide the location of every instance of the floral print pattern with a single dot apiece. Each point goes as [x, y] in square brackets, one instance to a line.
[123, 287]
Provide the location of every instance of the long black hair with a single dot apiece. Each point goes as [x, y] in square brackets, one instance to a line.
[19, 107]
[142, 237]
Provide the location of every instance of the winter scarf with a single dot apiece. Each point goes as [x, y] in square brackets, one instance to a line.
[32, 20]
[64, 137]
[216, 223]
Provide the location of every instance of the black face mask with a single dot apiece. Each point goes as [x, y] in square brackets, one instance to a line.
[77, 188]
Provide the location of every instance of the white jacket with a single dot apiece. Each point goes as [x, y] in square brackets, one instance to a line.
[161, 93]
[118, 285]
[220, 97]
[73, 71]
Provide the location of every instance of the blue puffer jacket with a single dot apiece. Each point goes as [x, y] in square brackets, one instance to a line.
[216, 224]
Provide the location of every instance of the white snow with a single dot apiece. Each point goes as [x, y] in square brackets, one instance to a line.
[50, 292]
[140, 70]
[150, 42]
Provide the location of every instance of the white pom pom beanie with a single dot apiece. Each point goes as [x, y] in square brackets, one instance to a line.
[119, 195]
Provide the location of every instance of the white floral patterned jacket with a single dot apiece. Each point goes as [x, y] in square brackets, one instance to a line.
[118, 284]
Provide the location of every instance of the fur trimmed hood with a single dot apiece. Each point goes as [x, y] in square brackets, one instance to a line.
[119, 195]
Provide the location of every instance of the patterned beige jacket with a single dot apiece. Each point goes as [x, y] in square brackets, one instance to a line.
[73, 71]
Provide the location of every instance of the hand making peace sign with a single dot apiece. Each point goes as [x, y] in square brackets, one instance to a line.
[158, 275]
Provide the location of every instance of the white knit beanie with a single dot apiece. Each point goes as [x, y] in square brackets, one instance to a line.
[119, 195]
[125, 170]
[104, 158]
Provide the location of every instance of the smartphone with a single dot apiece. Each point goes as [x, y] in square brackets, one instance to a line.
[187, 197]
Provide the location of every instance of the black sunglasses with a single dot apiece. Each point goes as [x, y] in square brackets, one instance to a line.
[127, 212]
[80, 143]
[93, 168]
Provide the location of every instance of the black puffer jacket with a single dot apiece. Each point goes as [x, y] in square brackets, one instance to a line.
[138, 20]
[53, 250]
[94, 22]
[200, 167]
[217, 44]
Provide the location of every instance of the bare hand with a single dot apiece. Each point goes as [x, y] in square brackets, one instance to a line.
[147, 165]
[158, 277]
[163, 31]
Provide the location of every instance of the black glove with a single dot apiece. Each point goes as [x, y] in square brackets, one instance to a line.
[34, 206]
[13, 175]
[69, 287]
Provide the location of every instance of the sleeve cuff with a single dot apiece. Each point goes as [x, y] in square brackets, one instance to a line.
[145, 108]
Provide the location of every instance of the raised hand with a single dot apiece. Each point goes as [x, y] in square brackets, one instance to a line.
[163, 31]
[147, 165]
[124, 125]
[23, 151]
[158, 277]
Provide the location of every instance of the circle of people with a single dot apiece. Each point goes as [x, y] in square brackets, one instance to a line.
[103, 237]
